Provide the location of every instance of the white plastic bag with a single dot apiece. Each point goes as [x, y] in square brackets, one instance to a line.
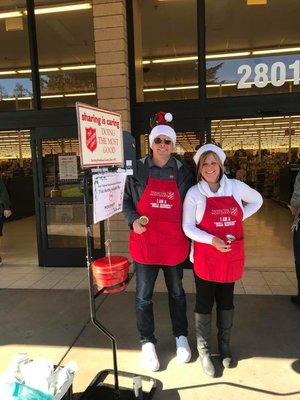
[27, 379]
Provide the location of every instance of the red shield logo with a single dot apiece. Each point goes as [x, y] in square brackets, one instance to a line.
[91, 138]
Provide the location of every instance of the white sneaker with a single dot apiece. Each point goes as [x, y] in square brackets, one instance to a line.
[149, 357]
[183, 349]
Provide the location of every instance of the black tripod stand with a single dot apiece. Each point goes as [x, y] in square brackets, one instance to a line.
[98, 389]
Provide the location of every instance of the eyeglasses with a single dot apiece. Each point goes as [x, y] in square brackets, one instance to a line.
[158, 140]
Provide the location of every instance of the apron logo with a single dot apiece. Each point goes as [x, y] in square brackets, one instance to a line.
[162, 195]
[91, 138]
[170, 195]
[233, 210]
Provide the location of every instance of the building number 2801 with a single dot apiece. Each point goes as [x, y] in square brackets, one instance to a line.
[263, 74]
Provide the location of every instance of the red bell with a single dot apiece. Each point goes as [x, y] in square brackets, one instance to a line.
[109, 272]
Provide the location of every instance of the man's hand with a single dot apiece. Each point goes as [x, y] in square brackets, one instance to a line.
[7, 213]
[220, 245]
[138, 228]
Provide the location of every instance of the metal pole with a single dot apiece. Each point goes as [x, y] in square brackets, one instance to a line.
[259, 146]
[20, 149]
[89, 258]
[33, 50]
[290, 140]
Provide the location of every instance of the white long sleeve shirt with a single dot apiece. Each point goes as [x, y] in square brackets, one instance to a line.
[194, 205]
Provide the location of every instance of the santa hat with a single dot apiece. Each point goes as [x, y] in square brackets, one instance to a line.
[210, 147]
[161, 124]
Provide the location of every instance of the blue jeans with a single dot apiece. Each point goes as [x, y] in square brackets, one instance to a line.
[145, 280]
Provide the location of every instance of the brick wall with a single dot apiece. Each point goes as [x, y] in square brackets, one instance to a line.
[110, 33]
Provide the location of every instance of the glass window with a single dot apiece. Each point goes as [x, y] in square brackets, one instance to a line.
[166, 54]
[61, 168]
[252, 49]
[15, 75]
[65, 37]
[66, 226]
[260, 151]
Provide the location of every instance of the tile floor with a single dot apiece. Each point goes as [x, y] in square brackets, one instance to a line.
[269, 266]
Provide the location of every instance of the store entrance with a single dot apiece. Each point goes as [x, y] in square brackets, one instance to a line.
[59, 199]
[263, 152]
[18, 244]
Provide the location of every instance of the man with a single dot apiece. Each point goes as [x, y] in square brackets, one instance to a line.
[5, 211]
[157, 240]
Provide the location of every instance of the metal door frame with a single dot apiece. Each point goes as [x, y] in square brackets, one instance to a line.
[54, 257]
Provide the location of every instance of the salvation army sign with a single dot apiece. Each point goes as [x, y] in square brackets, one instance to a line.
[100, 136]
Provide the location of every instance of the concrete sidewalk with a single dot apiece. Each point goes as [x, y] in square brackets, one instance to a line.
[55, 324]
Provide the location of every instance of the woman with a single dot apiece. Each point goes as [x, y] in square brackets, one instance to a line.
[213, 209]
[295, 208]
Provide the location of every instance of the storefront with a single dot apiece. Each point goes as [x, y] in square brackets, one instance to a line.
[226, 69]
[47, 64]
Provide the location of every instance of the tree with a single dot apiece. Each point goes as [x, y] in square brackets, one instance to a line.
[3, 92]
[20, 90]
[211, 73]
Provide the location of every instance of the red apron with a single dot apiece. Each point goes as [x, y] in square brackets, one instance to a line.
[222, 216]
[164, 242]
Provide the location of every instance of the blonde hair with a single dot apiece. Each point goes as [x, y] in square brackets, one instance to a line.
[201, 162]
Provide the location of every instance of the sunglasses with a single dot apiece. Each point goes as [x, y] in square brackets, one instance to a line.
[159, 141]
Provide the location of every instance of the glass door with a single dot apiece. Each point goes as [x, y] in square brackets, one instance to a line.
[59, 199]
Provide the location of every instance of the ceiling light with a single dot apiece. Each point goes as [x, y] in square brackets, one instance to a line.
[251, 119]
[272, 117]
[48, 69]
[73, 7]
[263, 123]
[227, 55]
[11, 14]
[275, 51]
[74, 67]
[174, 59]
[182, 87]
[24, 71]
[154, 90]
[144, 62]
[8, 72]
[80, 94]
[256, 2]
[52, 96]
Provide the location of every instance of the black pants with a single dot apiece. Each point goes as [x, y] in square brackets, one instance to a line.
[296, 243]
[145, 280]
[207, 292]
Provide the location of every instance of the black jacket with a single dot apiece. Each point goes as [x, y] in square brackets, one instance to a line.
[4, 198]
[135, 186]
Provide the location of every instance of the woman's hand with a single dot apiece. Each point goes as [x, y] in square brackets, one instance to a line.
[220, 245]
[137, 227]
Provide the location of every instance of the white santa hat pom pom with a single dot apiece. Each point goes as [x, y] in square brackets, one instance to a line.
[168, 117]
